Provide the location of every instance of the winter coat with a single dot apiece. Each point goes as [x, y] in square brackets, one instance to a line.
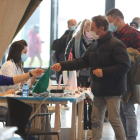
[77, 47]
[133, 77]
[110, 55]
[59, 46]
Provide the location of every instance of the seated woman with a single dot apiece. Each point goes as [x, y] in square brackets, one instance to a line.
[14, 66]
[4, 80]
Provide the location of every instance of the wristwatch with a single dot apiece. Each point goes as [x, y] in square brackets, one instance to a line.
[30, 74]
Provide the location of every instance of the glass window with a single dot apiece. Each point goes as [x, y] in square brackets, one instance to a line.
[79, 10]
[130, 9]
[36, 32]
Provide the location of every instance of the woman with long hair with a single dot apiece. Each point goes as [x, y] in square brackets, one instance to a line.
[14, 66]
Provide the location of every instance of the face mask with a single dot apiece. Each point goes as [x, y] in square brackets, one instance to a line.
[112, 27]
[72, 28]
[24, 57]
[88, 35]
[93, 34]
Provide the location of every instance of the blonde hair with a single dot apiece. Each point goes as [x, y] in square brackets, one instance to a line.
[86, 23]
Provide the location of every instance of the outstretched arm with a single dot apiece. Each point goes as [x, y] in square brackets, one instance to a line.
[21, 78]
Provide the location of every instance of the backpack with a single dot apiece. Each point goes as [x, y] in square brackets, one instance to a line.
[55, 45]
[135, 65]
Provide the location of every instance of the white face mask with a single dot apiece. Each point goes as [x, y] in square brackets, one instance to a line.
[93, 34]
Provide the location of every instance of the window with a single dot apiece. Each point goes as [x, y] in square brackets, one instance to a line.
[79, 10]
[39, 20]
[130, 9]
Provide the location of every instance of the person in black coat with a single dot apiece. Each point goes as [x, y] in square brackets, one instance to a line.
[59, 45]
[109, 62]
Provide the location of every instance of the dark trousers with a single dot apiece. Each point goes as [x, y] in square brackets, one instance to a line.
[87, 116]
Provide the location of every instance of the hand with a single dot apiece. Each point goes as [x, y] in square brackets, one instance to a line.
[37, 72]
[56, 67]
[98, 72]
[10, 91]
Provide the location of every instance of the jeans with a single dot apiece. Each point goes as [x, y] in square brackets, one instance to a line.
[129, 119]
[100, 104]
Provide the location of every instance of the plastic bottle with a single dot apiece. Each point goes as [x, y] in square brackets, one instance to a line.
[25, 90]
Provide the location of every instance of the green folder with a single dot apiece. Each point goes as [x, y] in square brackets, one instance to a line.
[43, 83]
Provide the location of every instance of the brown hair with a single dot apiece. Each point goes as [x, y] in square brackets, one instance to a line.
[114, 13]
[15, 52]
[101, 21]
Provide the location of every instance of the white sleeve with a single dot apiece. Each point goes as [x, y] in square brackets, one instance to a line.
[8, 69]
[29, 83]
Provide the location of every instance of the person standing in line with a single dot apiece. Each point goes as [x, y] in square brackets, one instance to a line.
[59, 46]
[131, 38]
[137, 19]
[134, 24]
[76, 48]
[109, 62]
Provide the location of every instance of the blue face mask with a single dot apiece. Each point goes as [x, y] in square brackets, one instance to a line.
[24, 57]
[112, 27]
[72, 28]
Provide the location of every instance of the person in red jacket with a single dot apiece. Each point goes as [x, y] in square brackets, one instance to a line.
[131, 38]
[34, 48]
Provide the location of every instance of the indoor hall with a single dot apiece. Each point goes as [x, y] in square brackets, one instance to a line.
[50, 32]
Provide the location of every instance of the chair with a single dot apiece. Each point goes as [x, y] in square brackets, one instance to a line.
[3, 120]
[18, 115]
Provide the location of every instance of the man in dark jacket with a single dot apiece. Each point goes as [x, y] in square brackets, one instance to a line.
[63, 40]
[59, 45]
[131, 38]
[109, 62]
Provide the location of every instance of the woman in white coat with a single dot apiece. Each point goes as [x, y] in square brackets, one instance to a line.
[14, 66]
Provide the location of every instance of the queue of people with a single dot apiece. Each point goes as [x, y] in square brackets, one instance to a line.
[109, 63]
[99, 53]
[13, 67]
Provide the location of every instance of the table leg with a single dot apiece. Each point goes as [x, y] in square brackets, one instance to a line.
[57, 119]
[73, 121]
[37, 119]
[33, 110]
[80, 119]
